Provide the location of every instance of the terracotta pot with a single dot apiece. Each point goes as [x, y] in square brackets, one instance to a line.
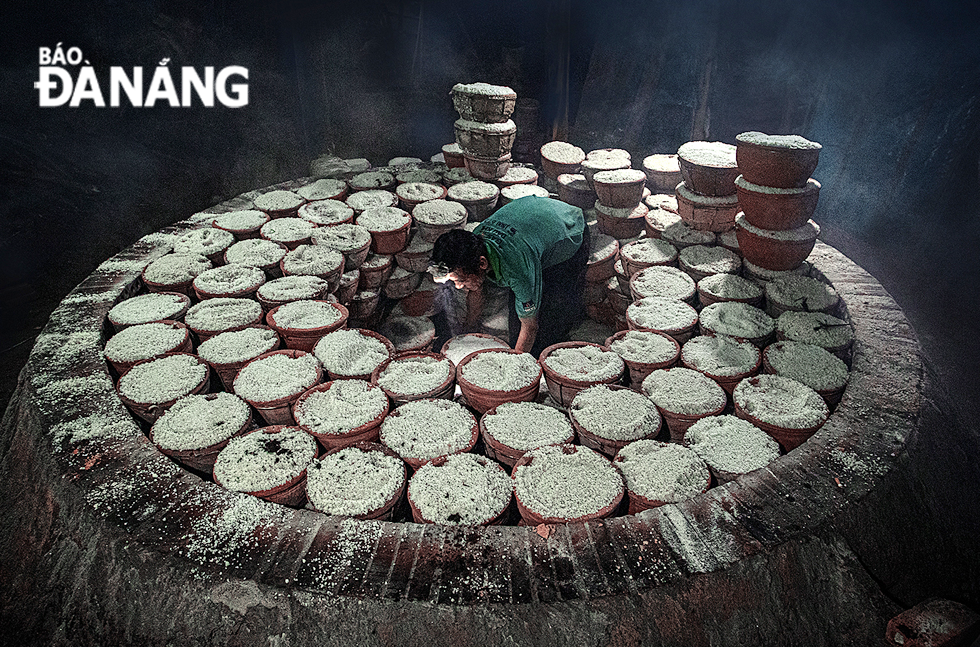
[185, 345]
[150, 411]
[452, 155]
[477, 209]
[416, 462]
[727, 382]
[563, 389]
[785, 166]
[204, 291]
[487, 168]
[374, 274]
[391, 241]
[485, 141]
[504, 453]
[622, 189]
[788, 439]
[613, 222]
[681, 333]
[181, 304]
[484, 102]
[363, 304]
[663, 172]
[203, 459]
[715, 178]
[415, 258]
[386, 510]
[603, 268]
[639, 370]
[410, 199]
[372, 180]
[290, 493]
[707, 298]
[368, 432]
[181, 287]
[607, 446]
[482, 399]
[240, 230]
[831, 396]
[443, 391]
[638, 503]
[401, 284]
[598, 164]
[517, 175]
[347, 286]
[573, 189]
[494, 519]
[419, 303]
[775, 250]
[364, 376]
[777, 209]
[306, 338]
[558, 158]
[279, 411]
[706, 213]
[429, 230]
[280, 196]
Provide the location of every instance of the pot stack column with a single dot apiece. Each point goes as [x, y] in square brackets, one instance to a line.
[485, 131]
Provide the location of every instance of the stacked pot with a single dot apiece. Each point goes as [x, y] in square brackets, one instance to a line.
[706, 198]
[485, 131]
[777, 197]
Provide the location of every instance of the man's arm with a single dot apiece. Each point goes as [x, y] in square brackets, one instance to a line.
[529, 331]
[474, 308]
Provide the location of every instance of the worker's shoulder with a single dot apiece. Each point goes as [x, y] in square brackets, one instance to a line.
[531, 208]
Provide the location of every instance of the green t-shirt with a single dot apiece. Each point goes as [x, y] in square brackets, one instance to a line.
[523, 238]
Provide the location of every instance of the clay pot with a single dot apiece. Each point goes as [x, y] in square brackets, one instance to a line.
[495, 518]
[242, 231]
[663, 172]
[831, 396]
[558, 158]
[706, 213]
[775, 250]
[573, 189]
[784, 167]
[368, 432]
[386, 510]
[416, 462]
[182, 304]
[607, 446]
[598, 164]
[639, 370]
[603, 268]
[789, 439]
[409, 199]
[150, 411]
[483, 102]
[365, 376]
[777, 209]
[727, 382]
[203, 291]
[363, 304]
[564, 389]
[290, 493]
[482, 399]
[401, 284]
[477, 209]
[374, 275]
[279, 411]
[620, 189]
[485, 141]
[487, 168]
[185, 345]
[181, 287]
[452, 155]
[203, 459]
[443, 391]
[621, 223]
[419, 303]
[713, 180]
[306, 338]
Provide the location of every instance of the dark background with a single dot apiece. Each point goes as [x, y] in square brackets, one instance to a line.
[891, 90]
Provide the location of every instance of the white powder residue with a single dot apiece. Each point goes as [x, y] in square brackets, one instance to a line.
[720, 356]
[586, 363]
[498, 128]
[346, 237]
[602, 247]
[226, 530]
[425, 429]
[147, 308]
[620, 176]
[518, 191]
[306, 315]
[57, 352]
[563, 153]
[163, 379]
[256, 252]
[345, 406]
[293, 288]
[236, 346]
[659, 219]
[681, 232]
[811, 186]
[439, 212]
[419, 191]
[664, 201]
[684, 193]
[710, 260]
[460, 346]
[353, 482]
[728, 239]
[176, 268]
[229, 279]
[119, 265]
[223, 313]
[244, 220]
[737, 320]
[278, 200]
[649, 250]
[312, 259]
[323, 189]
[372, 180]
[287, 230]
[592, 165]
[729, 287]
[713, 154]
[408, 333]
[371, 198]
[812, 365]
[502, 371]
[414, 375]
[663, 281]
[472, 191]
[466, 490]
[456, 174]
[730, 444]
[205, 242]
[661, 163]
[777, 141]
[276, 376]
[75, 395]
[802, 293]
[519, 174]
[326, 212]
[806, 232]
[95, 427]
[662, 471]
[781, 401]
[684, 391]
[644, 347]
[615, 414]
[199, 421]
[260, 460]
[528, 425]
[567, 485]
[662, 314]
[350, 352]
[383, 219]
[484, 89]
[144, 341]
[815, 328]
[419, 175]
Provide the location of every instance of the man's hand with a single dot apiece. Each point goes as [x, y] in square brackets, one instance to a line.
[529, 331]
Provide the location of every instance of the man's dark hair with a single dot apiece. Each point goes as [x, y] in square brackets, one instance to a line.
[458, 249]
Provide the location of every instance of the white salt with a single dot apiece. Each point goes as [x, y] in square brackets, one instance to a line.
[408, 333]
[662, 471]
[353, 482]
[345, 406]
[362, 200]
[419, 175]
[199, 421]
[419, 191]
[713, 154]
[665, 201]
[350, 352]
[204, 242]
[414, 375]
[163, 379]
[502, 371]
[527, 425]
[306, 314]
[244, 220]
[518, 191]
[256, 252]
[276, 376]
[439, 212]
[649, 250]
[780, 401]
[372, 180]
[801, 293]
[816, 328]
[663, 281]
[777, 141]
[147, 308]
[729, 287]
[562, 153]
[278, 200]
[620, 176]
[426, 429]
[737, 320]
[567, 486]
[586, 363]
[261, 461]
[473, 191]
[457, 348]
[684, 391]
[811, 186]
[685, 193]
[728, 239]
[720, 356]
[811, 365]
[681, 232]
[606, 163]
[323, 189]
[457, 174]
[343, 238]
[803, 233]
[645, 347]
[615, 414]
[710, 260]
[326, 212]
[466, 489]
[662, 314]
[235, 346]
[730, 444]
[662, 163]
[222, 313]
[176, 268]
[659, 219]
[518, 174]
[293, 288]
[287, 230]
[382, 219]
[574, 181]
[312, 259]
[484, 89]
[498, 128]
[229, 279]
[144, 341]
[602, 247]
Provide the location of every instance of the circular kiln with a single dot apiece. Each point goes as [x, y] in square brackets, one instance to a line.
[114, 543]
